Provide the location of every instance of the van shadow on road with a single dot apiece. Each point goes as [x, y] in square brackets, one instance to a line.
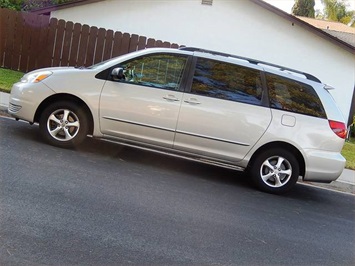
[108, 150]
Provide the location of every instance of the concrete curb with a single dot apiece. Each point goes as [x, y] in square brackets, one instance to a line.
[348, 177]
[4, 101]
[345, 183]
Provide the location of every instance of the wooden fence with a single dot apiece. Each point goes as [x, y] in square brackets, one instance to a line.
[29, 41]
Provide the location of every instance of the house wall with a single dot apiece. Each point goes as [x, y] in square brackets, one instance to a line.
[239, 27]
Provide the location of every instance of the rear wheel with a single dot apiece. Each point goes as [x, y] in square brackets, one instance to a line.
[275, 171]
[64, 124]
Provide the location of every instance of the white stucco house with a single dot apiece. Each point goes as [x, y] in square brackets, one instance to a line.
[249, 28]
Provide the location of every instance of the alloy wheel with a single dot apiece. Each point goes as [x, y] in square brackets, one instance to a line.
[63, 125]
[276, 171]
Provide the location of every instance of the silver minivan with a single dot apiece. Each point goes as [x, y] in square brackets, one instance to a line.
[274, 122]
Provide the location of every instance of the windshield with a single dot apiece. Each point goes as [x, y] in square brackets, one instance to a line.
[110, 61]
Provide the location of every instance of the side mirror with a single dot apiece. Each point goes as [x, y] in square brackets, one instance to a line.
[117, 73]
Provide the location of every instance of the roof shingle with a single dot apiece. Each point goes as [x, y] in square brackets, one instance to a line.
[328, 25]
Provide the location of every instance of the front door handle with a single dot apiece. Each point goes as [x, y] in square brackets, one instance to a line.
[192, 101]
[170, 97]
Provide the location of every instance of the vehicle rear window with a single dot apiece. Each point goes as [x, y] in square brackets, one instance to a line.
[227, 81]
[289, 95]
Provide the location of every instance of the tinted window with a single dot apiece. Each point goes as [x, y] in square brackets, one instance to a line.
[290, 95]
[159, 70]
[227, 81]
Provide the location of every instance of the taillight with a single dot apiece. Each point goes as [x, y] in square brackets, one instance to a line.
[338, 128]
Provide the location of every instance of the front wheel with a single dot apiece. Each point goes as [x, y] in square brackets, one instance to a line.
[275, 171]
[64, 124]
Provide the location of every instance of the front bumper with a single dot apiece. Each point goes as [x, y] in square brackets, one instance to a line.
[323, 166]
[25, 99]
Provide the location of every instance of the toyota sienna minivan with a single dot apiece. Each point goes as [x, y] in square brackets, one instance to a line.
[276, 123]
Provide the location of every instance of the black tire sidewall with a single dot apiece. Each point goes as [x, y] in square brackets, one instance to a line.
[78, 111]
[254, 170]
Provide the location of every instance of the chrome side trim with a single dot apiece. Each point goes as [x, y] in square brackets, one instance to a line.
[211, 138]
[137, 124]
[178, 131]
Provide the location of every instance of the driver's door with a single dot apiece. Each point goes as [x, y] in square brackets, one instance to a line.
[143, 104]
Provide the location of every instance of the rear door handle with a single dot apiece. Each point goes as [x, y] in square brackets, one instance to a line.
[170, 97]
[192, 101]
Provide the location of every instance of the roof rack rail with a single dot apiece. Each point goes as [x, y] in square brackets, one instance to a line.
[252, 61]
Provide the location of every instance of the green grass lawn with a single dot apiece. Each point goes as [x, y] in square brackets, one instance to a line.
[349, 153]
[7, 78]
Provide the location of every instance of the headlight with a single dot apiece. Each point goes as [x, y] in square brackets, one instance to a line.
[36, 76]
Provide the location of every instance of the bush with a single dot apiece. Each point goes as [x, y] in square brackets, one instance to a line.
[352, 131]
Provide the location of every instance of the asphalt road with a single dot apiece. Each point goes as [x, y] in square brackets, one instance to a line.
[109, 205]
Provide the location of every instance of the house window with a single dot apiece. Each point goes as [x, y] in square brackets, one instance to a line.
[207, 2]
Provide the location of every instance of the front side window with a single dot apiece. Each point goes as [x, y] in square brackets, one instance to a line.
[160, 70]
[290, 95]
[227, 81]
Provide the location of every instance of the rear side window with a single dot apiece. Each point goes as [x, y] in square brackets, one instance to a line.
[227, 81]
[293, 96]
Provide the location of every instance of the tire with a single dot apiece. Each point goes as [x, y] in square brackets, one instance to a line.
[64, 124]
[275, 171]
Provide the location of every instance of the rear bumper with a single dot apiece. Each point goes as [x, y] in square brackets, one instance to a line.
[323, 166]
